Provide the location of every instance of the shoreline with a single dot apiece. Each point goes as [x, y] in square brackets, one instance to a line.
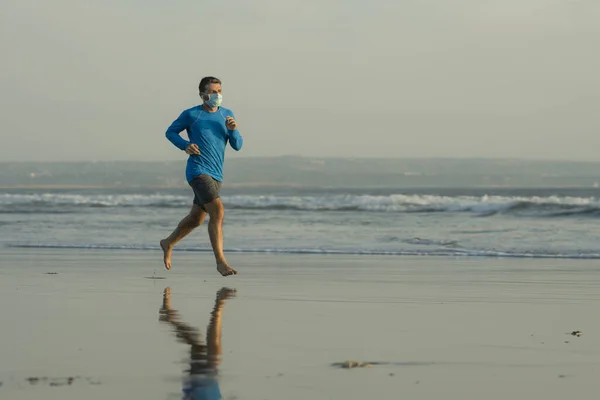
[399, 255]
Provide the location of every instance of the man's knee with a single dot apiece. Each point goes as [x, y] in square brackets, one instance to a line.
[195, 221]
[215, 210]
[197, 216]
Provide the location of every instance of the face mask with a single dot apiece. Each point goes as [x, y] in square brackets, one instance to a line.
[214, 100]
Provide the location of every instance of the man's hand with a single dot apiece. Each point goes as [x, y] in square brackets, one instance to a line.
[192, 149]
[230, 123]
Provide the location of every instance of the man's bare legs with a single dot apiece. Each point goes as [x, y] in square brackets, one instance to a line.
[194, 219]
[216, 211]
[185, 226]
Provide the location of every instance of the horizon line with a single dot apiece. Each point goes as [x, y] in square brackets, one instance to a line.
[446, 158]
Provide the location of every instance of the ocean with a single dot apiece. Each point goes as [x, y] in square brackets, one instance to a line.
[445, 222]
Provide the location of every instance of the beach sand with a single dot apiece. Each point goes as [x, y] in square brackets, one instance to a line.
[443, 328]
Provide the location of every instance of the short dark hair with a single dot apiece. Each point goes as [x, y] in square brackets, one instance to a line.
[207, 80]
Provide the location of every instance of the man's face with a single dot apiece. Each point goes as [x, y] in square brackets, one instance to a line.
[210, 89]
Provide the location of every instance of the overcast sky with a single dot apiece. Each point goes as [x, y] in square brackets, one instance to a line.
[102, 80]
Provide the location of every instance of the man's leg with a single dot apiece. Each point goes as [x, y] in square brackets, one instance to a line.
[185, 226]
[216, 212]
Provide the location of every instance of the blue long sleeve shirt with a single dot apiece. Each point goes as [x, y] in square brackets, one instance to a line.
[209, 132]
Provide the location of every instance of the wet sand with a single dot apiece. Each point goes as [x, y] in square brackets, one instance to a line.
[433, 328]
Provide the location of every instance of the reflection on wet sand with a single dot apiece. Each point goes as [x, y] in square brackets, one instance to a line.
[202, 377]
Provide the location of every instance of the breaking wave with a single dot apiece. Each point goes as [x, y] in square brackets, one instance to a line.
[559, 206]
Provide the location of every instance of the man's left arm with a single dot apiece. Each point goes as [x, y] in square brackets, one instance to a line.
[235, 139]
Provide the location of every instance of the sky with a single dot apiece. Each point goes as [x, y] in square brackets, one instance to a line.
[102, 80]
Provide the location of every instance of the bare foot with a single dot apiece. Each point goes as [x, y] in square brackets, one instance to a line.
[167, 254]
[225, 270]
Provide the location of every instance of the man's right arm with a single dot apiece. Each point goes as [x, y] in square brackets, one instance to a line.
[179, 125]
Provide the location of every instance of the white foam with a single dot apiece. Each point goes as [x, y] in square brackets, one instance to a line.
[107, 200]
[406, 203]
[391, 203]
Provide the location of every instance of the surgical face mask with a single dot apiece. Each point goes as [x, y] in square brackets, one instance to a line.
[214, 100]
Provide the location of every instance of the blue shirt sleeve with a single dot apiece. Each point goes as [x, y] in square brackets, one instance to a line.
[235, 139]
[180, 124]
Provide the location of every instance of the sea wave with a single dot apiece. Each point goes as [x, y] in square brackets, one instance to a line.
[485, 205]
[318, 251]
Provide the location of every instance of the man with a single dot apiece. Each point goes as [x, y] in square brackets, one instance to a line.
[209, 128]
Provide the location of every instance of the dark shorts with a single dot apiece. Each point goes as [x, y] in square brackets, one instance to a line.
[206, 189]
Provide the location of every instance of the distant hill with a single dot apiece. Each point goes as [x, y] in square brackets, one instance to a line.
[313, 172]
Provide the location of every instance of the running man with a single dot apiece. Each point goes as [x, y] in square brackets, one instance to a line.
[209, 128]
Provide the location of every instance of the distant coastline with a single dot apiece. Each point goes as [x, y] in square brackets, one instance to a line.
[183, 185]
[307, 172]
